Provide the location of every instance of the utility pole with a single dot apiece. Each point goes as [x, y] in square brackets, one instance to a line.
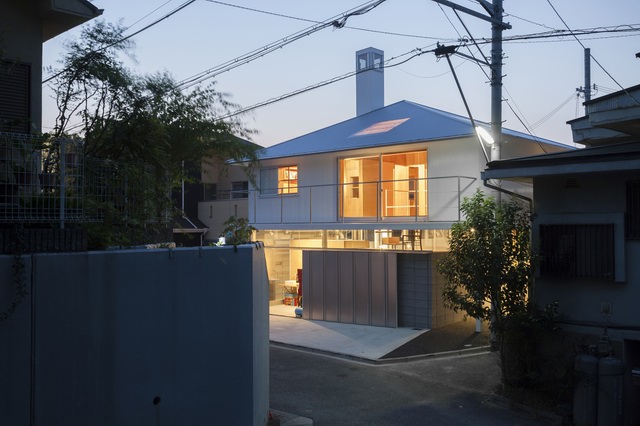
[587, 79]
[587, 76]
[496, 15]
[497, 26]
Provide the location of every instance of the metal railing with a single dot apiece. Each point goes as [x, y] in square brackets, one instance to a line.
[431, 200]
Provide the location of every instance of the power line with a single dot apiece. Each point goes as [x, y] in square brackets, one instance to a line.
[296, 18]
[93, 52]
[337, 21]
[415, 53]
[592, 57]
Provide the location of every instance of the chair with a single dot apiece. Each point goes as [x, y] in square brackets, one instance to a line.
[412, 238]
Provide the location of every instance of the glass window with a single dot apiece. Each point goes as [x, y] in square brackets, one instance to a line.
[240, 189]
[389, 185]
[577, 251]
[281, 180]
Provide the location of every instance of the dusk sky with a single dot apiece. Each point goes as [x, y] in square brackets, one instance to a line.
[541, 75]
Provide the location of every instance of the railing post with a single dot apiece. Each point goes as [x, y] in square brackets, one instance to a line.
[310, 204]
[459, 199]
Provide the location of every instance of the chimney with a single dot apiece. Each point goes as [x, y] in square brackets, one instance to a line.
[369, 80]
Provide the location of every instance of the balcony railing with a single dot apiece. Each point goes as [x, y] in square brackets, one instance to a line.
[435, 199]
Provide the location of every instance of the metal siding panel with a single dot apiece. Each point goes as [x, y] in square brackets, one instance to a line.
[306, 280]
[362, 289]
[316, 285]
[346, 288]
[392, 290]
[377, 268]
[331, 286]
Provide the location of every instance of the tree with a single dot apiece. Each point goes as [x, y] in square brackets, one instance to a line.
[146, 120]
[488, 266]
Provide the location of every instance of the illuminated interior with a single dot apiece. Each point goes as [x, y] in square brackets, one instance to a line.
[388, 185]
[283, 249]
[288, 180]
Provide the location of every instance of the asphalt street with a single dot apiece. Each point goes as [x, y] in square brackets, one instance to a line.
[439, 391]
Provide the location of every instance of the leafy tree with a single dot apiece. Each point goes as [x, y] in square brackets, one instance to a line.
[488, 266]
[125, 118]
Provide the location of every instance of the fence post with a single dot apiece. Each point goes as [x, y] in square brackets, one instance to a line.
[63, 184]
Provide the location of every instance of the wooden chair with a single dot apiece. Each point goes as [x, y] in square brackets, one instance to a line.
[412, 238]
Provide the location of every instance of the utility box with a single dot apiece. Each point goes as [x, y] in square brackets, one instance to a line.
[610, 373]
[585, 396]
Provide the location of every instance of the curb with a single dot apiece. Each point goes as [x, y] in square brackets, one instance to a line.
[385, 361]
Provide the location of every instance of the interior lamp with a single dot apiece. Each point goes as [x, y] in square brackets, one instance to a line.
[484, 135]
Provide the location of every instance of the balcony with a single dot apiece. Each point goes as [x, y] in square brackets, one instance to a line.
[435, 199]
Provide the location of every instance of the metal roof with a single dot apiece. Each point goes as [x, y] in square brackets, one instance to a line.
[399, 123]
[623, 156]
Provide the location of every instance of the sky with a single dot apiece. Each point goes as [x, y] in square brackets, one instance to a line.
[540, 75]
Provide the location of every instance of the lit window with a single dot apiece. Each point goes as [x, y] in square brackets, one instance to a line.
[288, 180]
[281, 180]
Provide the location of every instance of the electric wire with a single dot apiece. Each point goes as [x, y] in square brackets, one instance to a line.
[414, 53]
[337, 21]
[519, 115]
[553, 112]
[296, 18]
[157, 21]
[592, 57]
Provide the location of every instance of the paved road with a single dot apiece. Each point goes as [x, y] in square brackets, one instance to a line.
[334, 391]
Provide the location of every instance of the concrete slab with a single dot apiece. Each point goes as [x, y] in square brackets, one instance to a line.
[359, 341]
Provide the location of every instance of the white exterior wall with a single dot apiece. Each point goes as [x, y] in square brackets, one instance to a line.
[317, 198]
[597, 199]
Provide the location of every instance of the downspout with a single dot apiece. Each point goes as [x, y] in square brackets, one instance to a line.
[525, 199]
[506, 191]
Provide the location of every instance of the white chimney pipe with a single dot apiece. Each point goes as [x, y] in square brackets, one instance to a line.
[369, 80]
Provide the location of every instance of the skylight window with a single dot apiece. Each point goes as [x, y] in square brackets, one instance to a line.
[381, 127]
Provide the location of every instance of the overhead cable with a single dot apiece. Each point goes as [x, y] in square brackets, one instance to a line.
[337, 21]
[414, 53]
[592, 57]
[93, 52]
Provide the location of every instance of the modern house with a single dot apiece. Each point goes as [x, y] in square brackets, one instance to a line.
[364, 207]
[587, 232]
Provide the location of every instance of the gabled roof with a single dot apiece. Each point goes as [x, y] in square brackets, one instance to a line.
[399, 123]
[607, 158]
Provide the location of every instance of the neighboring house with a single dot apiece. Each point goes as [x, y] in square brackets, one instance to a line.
[372, 200]
[587, 231]
[24, 26]
[213, 193]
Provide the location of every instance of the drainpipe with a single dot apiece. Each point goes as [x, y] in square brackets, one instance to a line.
[522, 197]
[506, 191]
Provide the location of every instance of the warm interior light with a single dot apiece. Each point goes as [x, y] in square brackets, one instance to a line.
[484, 135]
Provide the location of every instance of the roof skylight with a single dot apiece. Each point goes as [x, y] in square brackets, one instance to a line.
[381, 127]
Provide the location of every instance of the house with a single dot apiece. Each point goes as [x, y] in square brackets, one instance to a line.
[587, 232]
[25, 26]
[364, 207]
[211, 194]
